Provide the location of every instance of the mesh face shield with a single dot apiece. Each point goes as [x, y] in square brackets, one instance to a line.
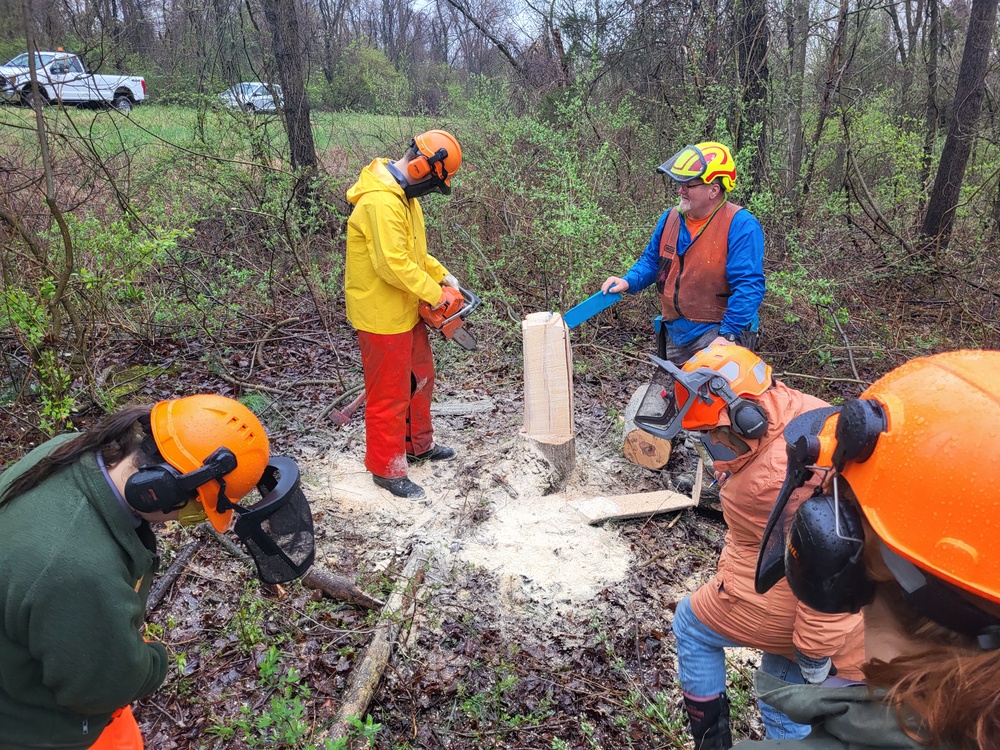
[278, 530]
[659, 413]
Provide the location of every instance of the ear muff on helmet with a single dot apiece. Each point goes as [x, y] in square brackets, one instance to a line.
[162, 488]
[823, 562]
[420, 166]
[813, 440]
[748, 419]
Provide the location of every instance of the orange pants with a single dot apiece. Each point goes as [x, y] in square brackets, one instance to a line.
[399, 380]
[121, 734]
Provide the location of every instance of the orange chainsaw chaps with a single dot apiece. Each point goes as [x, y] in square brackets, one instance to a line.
[121, 734]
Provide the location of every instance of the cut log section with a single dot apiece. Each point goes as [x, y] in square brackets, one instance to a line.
[548, 392]
[640, 447]
[639, 505]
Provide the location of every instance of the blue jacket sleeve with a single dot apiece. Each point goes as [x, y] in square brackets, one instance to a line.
[643, 271]
[744, 272]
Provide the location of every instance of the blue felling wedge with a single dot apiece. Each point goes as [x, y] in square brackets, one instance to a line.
[590, 307]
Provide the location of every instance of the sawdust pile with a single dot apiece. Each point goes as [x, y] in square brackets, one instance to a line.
[488, 508]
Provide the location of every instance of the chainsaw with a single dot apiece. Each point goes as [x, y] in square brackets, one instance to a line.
[450, 317]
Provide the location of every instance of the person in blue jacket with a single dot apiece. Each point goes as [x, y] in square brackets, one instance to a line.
[706, 256]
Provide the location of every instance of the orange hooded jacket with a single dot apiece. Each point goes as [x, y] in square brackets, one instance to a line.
[775, 622]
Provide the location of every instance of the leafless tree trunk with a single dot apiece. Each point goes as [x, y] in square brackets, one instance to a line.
[835, 73]
[282, 17]
[932, 114]
[751, 53]
[940, 217]
[798, 37]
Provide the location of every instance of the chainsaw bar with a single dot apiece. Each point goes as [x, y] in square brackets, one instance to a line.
[464, 339]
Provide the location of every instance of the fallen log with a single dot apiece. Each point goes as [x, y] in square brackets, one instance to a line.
[339, 588]
[367, 674]
[336, 587]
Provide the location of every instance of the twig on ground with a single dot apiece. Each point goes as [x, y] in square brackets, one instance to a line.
[396, 615]
[164, 582]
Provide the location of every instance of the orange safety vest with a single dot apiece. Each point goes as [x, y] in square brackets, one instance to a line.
[693, 285]
[121, 734]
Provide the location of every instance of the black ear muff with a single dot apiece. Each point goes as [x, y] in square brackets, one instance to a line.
[155, 488]
[162, 488]
[748, 418]
[861, 421]
[823, 562]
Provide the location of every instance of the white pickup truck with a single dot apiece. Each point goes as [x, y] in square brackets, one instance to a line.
[63, 78]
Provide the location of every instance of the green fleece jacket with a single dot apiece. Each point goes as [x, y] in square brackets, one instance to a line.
[74, 578]
[842, 718]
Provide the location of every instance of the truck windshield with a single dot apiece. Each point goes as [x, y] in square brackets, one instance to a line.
[41, 60]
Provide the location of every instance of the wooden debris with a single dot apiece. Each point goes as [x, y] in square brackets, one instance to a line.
[339, 588]
[461, 408]
[639, 505]
[640, 447]
[162, 584]
[367, 674]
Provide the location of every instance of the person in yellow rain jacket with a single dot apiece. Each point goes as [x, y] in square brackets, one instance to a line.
[387, 274]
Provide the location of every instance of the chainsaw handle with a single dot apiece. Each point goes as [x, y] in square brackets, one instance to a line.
[471, 303]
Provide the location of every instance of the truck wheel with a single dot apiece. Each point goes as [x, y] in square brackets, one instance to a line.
[122, 103]
[249, 108]
[28, 97]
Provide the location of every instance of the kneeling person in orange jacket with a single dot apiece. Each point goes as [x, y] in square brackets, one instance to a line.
[77, 555]
[387, 274]
[728, 393]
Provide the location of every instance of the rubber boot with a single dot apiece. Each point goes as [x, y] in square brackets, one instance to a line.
[400, 487]
[709, 723]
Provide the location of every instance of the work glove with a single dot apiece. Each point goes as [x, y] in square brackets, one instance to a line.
[450, 280]
[814, 669]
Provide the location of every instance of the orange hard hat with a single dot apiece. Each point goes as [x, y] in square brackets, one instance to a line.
[188, 430]
[708, 160]
[430, 144]
[928, 483]
[747, 374]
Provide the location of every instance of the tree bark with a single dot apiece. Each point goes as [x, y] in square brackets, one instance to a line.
[798, 37]
[751, 53]
[940, 217]
[282, 17]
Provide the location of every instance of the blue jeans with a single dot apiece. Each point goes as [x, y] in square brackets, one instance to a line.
[701, 665]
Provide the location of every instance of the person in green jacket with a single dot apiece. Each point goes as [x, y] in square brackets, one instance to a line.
[905, 529]
[77, 555]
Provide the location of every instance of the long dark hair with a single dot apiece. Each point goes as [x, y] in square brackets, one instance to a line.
[116, 437]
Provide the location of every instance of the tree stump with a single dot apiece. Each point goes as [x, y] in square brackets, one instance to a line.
[640, 447]
[548, 393]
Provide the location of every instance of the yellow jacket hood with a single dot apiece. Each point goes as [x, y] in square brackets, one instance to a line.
[388, 271]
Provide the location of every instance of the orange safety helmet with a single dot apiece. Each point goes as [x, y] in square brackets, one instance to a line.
[188, 430]
[746, 373]
[708, 160]
[930, 487]
[437, 152]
